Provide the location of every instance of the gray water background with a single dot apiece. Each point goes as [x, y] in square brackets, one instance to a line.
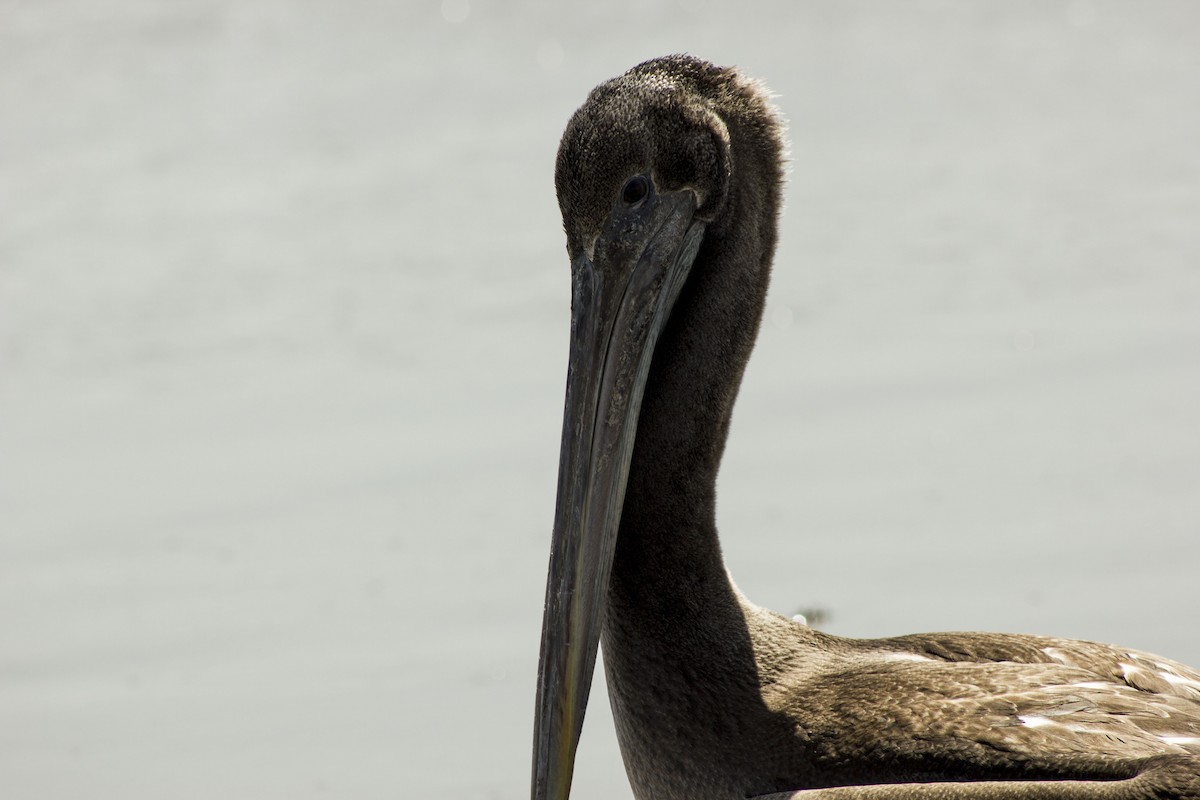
[283, 315]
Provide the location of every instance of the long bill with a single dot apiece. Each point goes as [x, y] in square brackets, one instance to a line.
[621, 300]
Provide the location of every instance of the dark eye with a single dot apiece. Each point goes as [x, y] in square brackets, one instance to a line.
[635, 190]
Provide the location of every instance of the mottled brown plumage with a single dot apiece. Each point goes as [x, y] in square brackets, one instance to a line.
[669, 183]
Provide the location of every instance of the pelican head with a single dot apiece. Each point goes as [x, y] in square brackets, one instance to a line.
[643, 179]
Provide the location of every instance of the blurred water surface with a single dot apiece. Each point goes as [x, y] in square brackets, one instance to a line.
[283, 314]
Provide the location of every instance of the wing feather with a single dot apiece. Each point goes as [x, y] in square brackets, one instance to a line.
[967, 705]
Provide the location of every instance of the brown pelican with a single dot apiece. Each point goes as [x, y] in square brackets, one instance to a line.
[668, 179]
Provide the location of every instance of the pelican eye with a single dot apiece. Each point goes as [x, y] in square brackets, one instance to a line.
[635, 191]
